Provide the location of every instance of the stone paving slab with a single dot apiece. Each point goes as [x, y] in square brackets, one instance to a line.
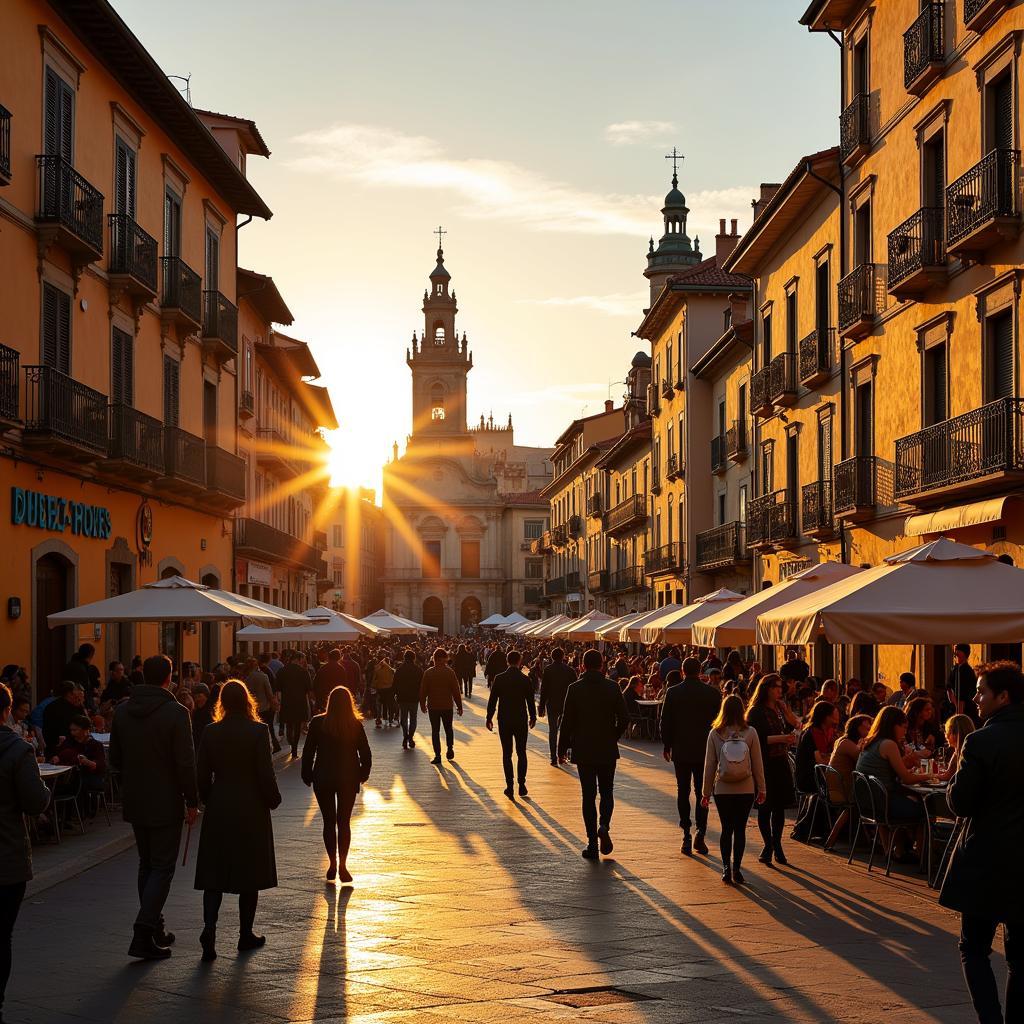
[470, 908]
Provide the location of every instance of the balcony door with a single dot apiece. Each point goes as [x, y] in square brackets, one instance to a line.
[122, 369]
[999, 113]
[825, 448]
[124, 179]
[55, 348]
[862, 234]
[59, 118]
[172, 390]
[172, 224]
[210, 412]
[999, 356]
[822, 308]
[212, 260]
[864, 430]
[792, 471]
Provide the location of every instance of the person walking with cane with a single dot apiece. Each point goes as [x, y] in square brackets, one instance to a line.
[151, 746]
[512, 695]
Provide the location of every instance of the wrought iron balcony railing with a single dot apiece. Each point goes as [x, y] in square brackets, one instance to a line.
[595, 505]
[69, 202]
[184, 457]
[771, 519]
[983, 205]
[627, 515]
[225, 475]
[673, 467]
[60, 409]
[555, 587]
[760, 403]
[247, 403]
[533, 595]
[782, 388]
[816, 507]
[855, 485]
[736, 441]
[631, 578]
[132, 254]
[9, 384]
[180, 288]
[220, 321]
[653, 406]
[817, 356]
[267, 542]
[858, 300]
[667, 388]
[979, 13]
[5, 145]
[665, 559]
[559, 535]
[136, 440]
[597, 581]
[719, 456]
[924, 44]
[572, 582]
[855, 126]
[917, 250]
[722, 546]
[960, 451]
[574, 525]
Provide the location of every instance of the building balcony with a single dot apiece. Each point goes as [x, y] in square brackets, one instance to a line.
[273, 453]
[816, 509]
[622, 580]
[10, 380]
[64, 416]
[132, 267]
[542, 545]
[595, 506]
[855, 129]
[771, 520]
[736, 441]
[220, 326]
[70, 211]
[979, 14]
[246, 405]
[655, 479]
[666, 560]
[667, 389]
[674, 467]
[266, 543]
[533, 595]
[184, 461]
[978, 452]
[817, 357]
[855, 488]
[722, 547]
[653, 406]
[760, 403]
[917, 253]
[983, 205]
[559, 535]
[924, 48]
[181, 296]
[597, 581]
[573, 583]
[719, 456]
[859, 300]
[5, 146]
[554, 587]
[574, 526]
[136, 444]
[628, 515]
[225, 479]
[320, 540]
[782, 386]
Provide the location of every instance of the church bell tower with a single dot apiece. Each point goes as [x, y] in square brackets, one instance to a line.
[440, 362]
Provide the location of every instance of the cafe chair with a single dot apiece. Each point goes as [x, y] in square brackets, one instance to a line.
[939, 829]
[880, 799]
[65, 800]
[830, 781]
[806, 813]
[864, 801]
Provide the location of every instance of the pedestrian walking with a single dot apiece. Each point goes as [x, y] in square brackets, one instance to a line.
[22, 794]
[336, 761]
[465, 668]
[383, 684]
[239, 790]
[406, 687]
[554, 684]
[984, 881]
[439, 694]
[771, 718]
[257, 681]
[690, 708]
[593, 720]
[496, 664]
[328, 676]
[512, 695]
[151, 746]
[294, 685]
[734, 775]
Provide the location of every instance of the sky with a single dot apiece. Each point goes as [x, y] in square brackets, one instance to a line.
[534, 132]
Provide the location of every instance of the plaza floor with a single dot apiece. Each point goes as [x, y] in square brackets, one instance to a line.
[468, 907]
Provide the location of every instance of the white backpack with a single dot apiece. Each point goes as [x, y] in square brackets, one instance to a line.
[734, 759]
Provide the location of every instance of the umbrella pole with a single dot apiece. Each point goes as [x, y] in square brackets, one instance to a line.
[179, 646]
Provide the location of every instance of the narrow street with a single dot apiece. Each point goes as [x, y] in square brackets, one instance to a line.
[468, 907]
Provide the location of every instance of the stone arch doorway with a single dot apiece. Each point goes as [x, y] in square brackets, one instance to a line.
[433, 613]
[470, 613]
[54, 592]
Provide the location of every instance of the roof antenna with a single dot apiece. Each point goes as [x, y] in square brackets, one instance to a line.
[187, 91]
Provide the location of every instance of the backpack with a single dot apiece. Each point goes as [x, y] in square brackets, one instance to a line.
[734, 760]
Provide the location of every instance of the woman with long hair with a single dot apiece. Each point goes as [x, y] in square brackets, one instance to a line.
[336, 761]
[844, 759]
[774, 723]
[238, 787]
[958, 728]
[734, 773]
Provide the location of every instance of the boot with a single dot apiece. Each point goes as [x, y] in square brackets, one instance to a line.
[208, 940]
[780, 857]
[590, 853]
[162, 937]
[699, 845]
[144, 948]
[248, 940]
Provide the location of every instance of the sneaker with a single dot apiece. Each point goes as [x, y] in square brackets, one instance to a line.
[451, 755]
[606, 841]
[737, 876]
[590, 853]
[144, 948]
[687, 848]
[251, 941]
[554, 762]
[699, 845]
[436, 759]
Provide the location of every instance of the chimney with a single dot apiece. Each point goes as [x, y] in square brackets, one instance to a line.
[767, 195]
[609, 405]
[725, 243]
[738, 307]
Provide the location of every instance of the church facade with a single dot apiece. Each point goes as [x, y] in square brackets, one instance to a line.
[462, 504]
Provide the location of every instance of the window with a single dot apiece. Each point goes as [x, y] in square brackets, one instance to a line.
[431, 559]
[936, 408]
[863, 420]
[861, 81]
[792, 468]
[721, 418]
[792, 340]
[535, 568]
[743, 504]
[668, 360]
[56, 329]
[59, 117]
[766, 339]
[933, 172]
[339, 578]
[822, 294]
[172, 387]
[124, 178]
[825, 448]
[670, 440]
[999, 113]
[721, 509]
[172, 223]
[212, 282]
[439, 335]
[999, 356]
[122, 371]
[337, 536]
[436, 403]
[767, 467]
[862, 234]
[470, 561]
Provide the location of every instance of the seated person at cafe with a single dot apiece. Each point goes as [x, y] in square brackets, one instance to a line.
[922, 729]
[119, 686]
[22, 727]
[815, 744]
[958, 728]
[83, 751]
[633, 691]
[58, 714]
[844, 759]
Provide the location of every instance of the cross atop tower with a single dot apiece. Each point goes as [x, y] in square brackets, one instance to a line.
[675, 158]
[440, 232]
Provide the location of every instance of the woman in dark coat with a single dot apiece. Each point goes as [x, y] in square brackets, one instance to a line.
[237, 785]
[336, 761]
[465, 668]
[773, 722]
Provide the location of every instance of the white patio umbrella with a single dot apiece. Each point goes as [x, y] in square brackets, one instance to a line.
[676, 627]
[395, 624]
[323, 625]
[736, 623]
[631, 633]
[494, 620]
[611, 630]
[514, 619]
[583, 628]
[931, 594]
[548, 626]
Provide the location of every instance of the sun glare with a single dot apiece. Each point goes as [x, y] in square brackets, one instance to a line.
[351, 461]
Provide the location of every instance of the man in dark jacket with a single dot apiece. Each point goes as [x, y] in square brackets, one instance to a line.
[82, 671]
[406, 686]
[294, 685]
[496, 664]
[984, 881]
[554, 685]
[58, 714]
[327, 678]
[690, 708]
[962, 684]
[512, 695]
[22, 793]
[151, 745]
[593, 720]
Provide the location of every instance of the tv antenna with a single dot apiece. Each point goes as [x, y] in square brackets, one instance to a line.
[187, 91]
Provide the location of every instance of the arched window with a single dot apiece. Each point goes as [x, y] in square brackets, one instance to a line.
[437, 403]
[439, 334]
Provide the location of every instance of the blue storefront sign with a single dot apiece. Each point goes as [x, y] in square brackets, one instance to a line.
[59, 515]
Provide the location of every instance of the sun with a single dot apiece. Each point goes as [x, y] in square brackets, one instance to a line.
[351, 462]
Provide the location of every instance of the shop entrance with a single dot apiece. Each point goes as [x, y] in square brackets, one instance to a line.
[119, 646]
[433, 613]
[54, 576]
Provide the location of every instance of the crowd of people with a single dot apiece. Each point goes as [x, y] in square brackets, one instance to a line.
[736, 735]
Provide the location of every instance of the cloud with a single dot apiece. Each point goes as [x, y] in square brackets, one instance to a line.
[631, 133]
[494, 190]
[619, 304]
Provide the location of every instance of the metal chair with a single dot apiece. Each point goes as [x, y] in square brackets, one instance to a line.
[824, 774]
[938, 828]
[66, 795]
[880, 798]
[806, 812]
[864, 801]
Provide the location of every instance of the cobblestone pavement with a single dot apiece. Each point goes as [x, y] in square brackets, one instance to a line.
[468, 907]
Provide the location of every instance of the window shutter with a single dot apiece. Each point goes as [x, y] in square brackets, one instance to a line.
[171, 391]
[939, 401]
[1002, 356]
[825, 448]
[124, 183]
[122, 370]
[56, 329]
[1003, 113]
[52, 105]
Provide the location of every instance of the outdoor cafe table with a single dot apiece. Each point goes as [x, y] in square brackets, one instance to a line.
[933, 795]
[52, 772]
[655, 716]
[103, 737]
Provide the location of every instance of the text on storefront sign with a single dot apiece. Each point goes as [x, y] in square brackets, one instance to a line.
[58, 515]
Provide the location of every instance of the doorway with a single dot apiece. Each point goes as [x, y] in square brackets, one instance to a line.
[471, 612]
[433, 613]
[119, 635]
[54, 578]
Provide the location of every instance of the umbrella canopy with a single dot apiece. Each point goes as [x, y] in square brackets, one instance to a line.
[736, 623]
[631, 633]
[515, 619]
[548, 626]
[395, 624]
[178, 600]
[494, 620]
[676, 627]
[611, 630]
[584, 627]
[322, 625]
[931, 594]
